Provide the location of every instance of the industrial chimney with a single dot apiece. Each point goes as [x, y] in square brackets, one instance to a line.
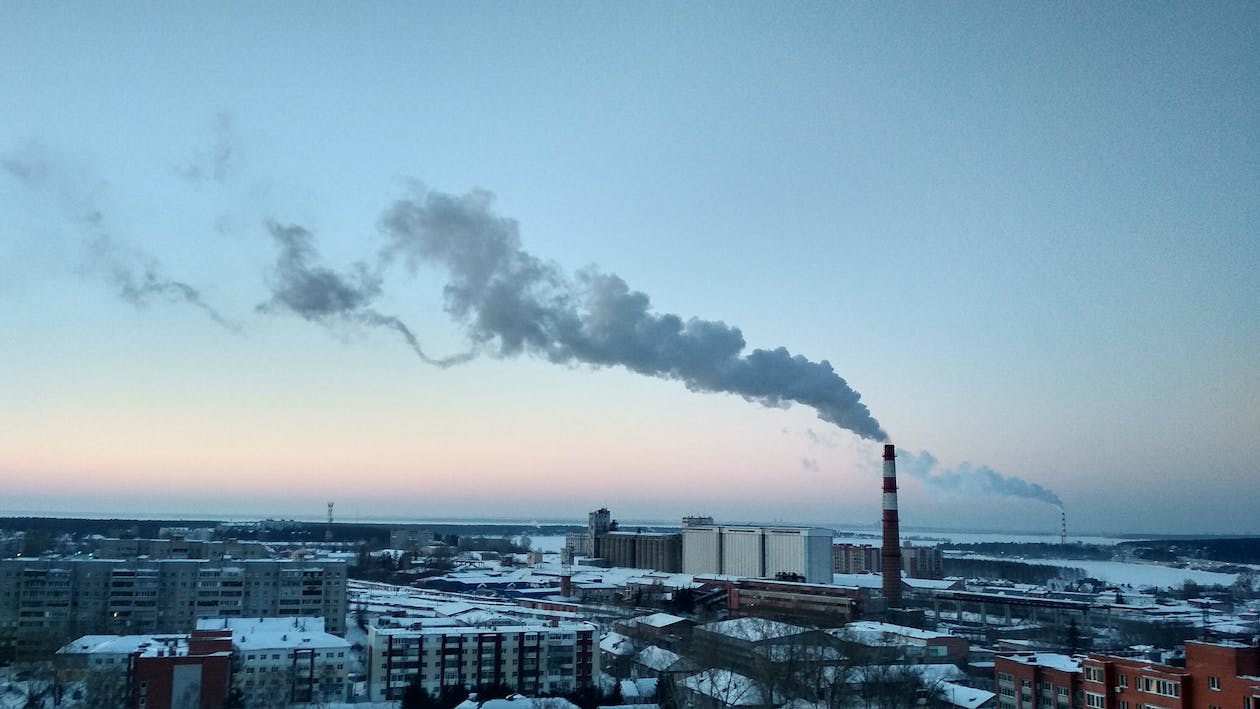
[891, 556]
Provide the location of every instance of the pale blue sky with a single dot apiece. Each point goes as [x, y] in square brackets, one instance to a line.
[1024, 233]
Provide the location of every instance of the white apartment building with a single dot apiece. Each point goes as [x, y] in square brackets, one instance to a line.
[758, 552]
[287, 657]
[532, 659]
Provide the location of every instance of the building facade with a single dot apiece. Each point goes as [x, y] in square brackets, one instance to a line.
[178, 547]
[1224, 675]
[919, 562]
[54, 600]
[797, 553]
[1216, 676]
[643, 550]
[531, 659]
[293, 658]
[151, 672]
[1039, 680]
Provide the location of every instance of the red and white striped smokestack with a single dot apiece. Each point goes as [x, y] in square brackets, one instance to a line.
[890, 559]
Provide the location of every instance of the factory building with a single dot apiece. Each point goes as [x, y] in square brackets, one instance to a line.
[797, 553]
[643, 550]
[532, 659]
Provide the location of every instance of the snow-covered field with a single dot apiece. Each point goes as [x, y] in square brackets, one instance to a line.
[1136, 575]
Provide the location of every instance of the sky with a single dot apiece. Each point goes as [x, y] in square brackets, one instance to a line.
[669, 258]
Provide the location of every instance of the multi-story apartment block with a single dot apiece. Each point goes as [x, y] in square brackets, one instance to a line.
[410, 539]
[51, 601]
[918, 562]
[1039, 680]
[1223, 675]
[178, 547]
[151, 672]
[292, 658]
[532, 659]
[1216, 676]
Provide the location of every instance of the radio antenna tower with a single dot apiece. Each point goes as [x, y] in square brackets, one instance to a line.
[328, 535]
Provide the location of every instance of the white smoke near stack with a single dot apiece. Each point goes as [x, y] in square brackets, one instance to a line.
[970, 480]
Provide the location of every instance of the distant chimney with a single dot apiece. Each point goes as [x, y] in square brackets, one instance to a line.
[891, 555]
[566, 586]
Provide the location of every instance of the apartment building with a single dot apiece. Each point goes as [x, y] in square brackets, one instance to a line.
[53, 600]
[1039, 680]
[1224, 675]
[151, 671]
[178, 547]
[532, 659]
[294, 658]
[919, 562]
[1216, 676]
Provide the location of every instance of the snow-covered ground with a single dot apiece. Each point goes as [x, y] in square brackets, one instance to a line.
[1136, 575]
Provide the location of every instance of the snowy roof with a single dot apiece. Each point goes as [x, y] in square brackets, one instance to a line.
[930, 584]
[754, 629]
[659, 620]
[616, 644]
[858, 580]
[725, 686]
[516, 701]
[1053, 660]
[466, 630]
[868, 631]
[275, 633]
[965, 697]
[657, 658]
[638, 688]
[175, 644]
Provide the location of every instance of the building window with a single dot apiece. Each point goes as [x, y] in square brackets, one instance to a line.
[1122, 680]
[1214, 684]
[1162, 687]
[1093, 674]
[1095, 701]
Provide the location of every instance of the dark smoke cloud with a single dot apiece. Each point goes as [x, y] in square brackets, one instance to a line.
[512, 302]
[318, 294]
[136, 277]
[970, 480]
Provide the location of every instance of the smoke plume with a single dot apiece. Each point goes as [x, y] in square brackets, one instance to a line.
[136, 277]
[318, 294]
[511, 302]
[970, 480]
[216, 162]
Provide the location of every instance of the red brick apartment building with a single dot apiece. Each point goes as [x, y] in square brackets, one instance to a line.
[194, 675]
[1216, 676]
[1038, 680]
